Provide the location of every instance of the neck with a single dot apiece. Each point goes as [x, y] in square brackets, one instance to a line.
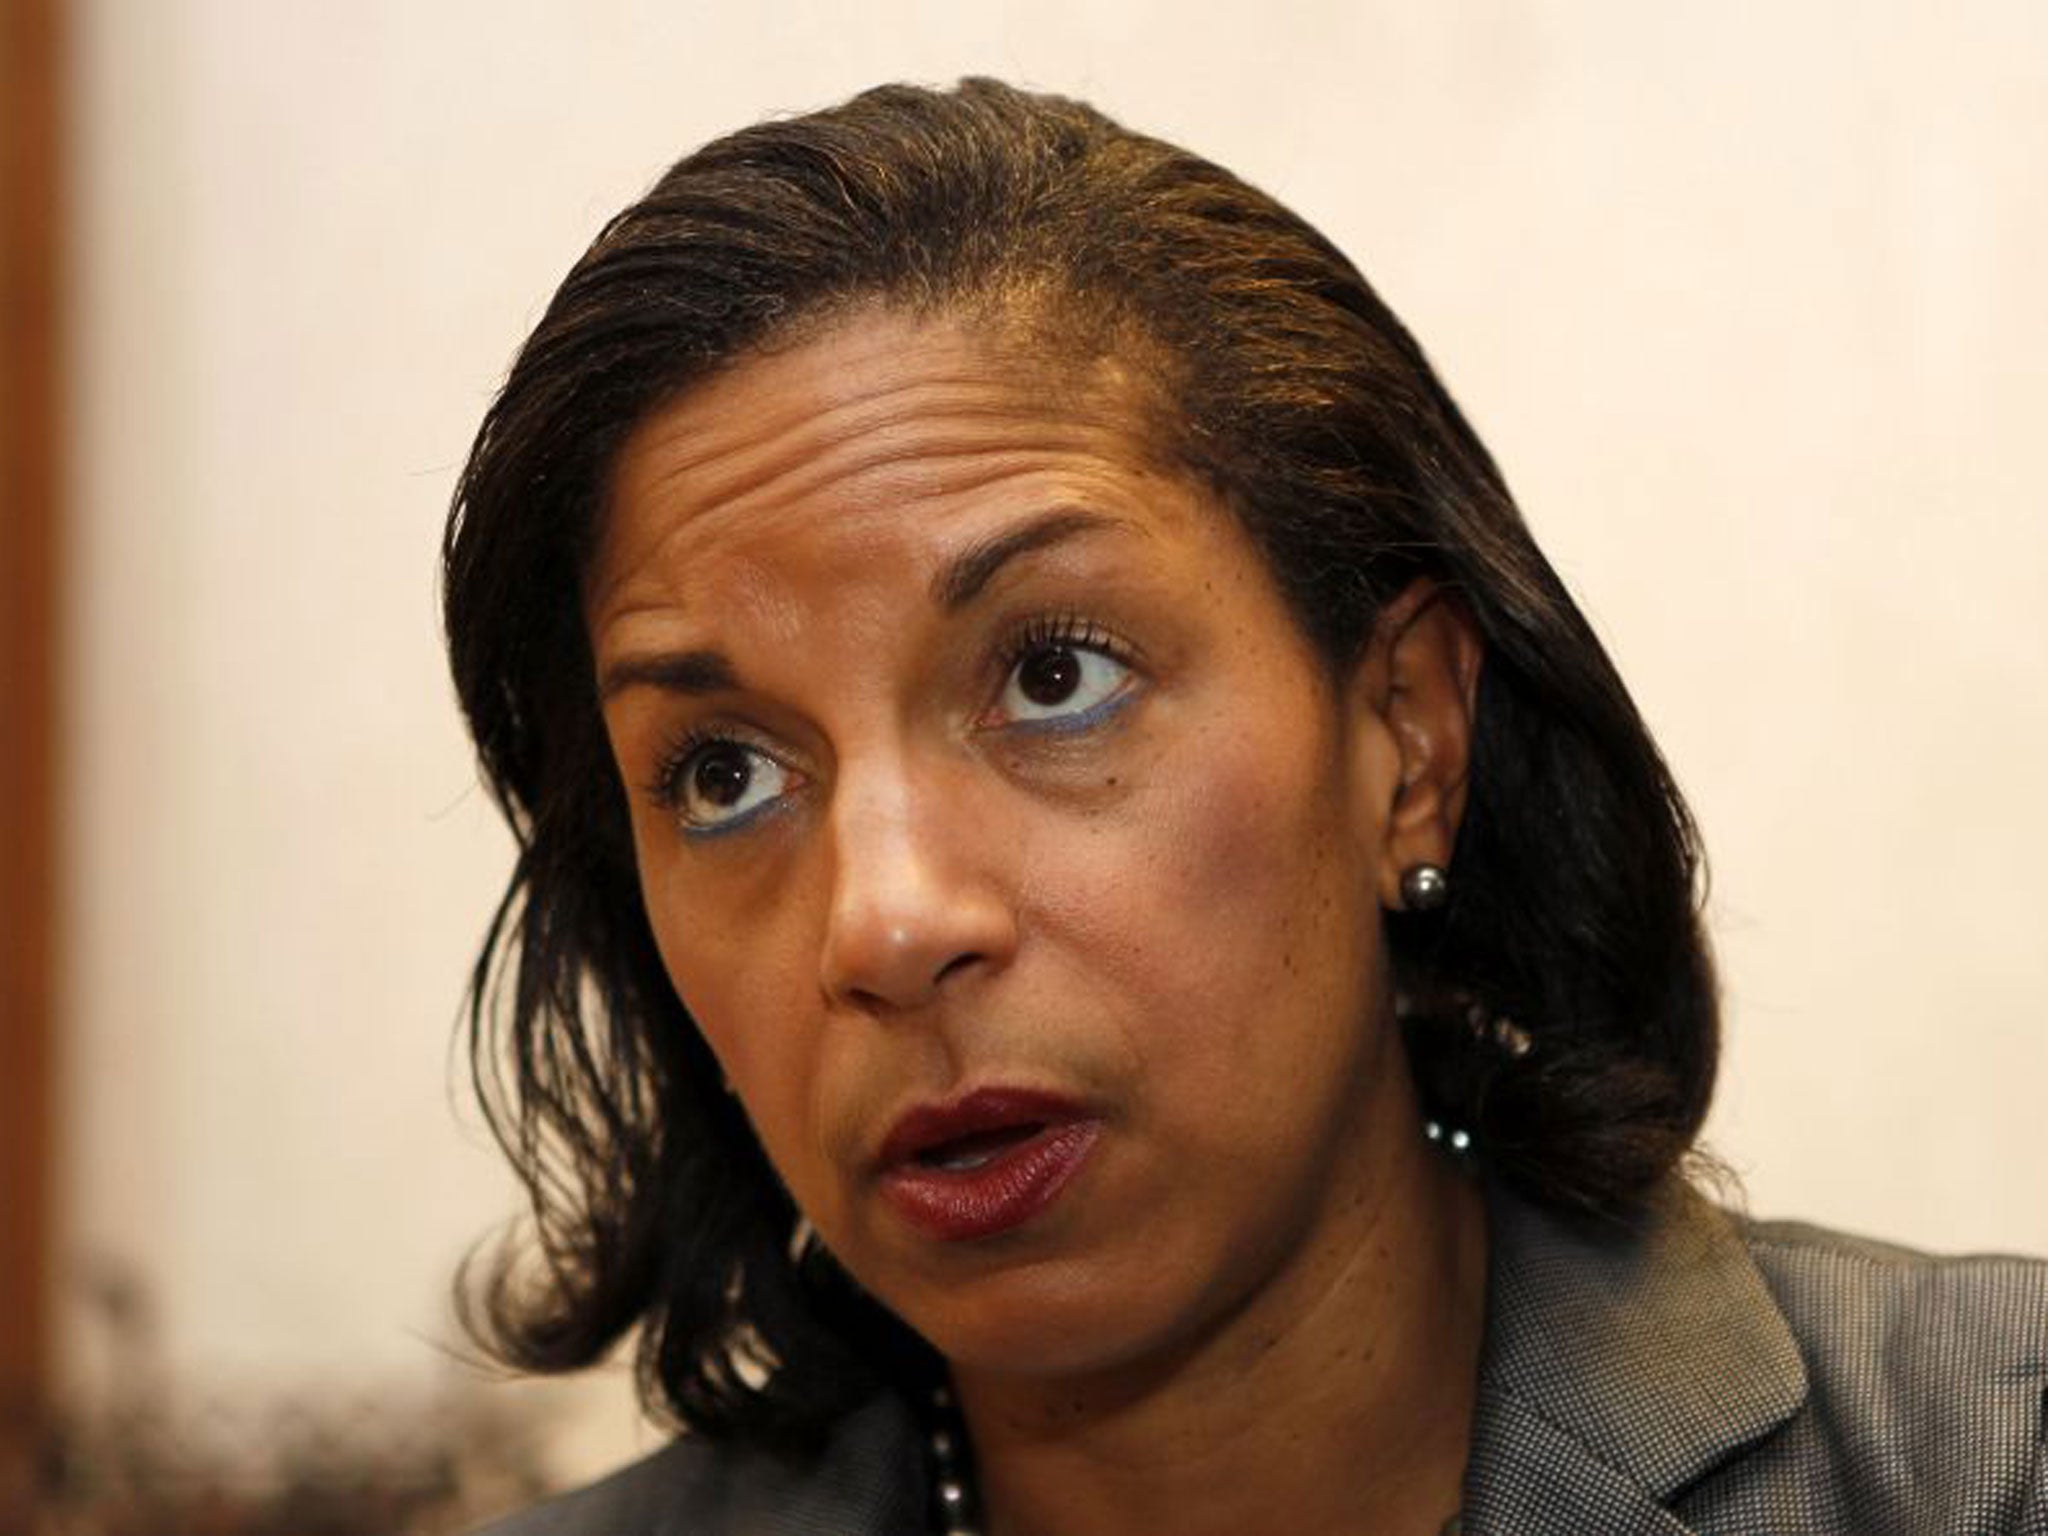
[1340, 1400]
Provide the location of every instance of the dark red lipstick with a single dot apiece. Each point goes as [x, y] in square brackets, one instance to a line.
[985, 1163]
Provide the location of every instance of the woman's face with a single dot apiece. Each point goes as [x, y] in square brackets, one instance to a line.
[1016, 855]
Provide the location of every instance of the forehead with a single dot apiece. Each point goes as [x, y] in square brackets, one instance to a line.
[882, 433]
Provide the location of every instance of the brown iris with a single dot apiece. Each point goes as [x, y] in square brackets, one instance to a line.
[722, 775]
[1050, 676]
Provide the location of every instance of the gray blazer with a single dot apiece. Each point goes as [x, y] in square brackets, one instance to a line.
[1712, 1376]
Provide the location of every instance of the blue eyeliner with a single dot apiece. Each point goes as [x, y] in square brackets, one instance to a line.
[1083, 720]
[716, 829]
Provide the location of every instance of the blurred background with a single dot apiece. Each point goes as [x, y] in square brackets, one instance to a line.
[1747, 299]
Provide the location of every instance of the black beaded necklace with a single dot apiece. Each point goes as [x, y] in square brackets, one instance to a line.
[955, 1509]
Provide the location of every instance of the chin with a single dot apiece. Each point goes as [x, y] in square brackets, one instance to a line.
[1054, 1320]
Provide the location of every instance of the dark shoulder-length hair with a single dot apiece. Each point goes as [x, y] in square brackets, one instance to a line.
[1291, 392]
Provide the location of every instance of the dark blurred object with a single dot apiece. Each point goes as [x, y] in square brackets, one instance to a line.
[137, 1454]
[363, 1468]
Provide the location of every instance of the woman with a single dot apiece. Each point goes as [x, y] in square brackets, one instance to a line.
[1096, 945]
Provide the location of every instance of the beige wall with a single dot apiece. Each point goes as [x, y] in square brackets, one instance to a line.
[1745, 298]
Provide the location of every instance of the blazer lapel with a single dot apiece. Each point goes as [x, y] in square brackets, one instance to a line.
[1618, 1371]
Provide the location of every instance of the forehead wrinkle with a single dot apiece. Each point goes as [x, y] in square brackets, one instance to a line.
[796, 462]
[960, 464]
[776, 429]
[967, 467]
[730, 422]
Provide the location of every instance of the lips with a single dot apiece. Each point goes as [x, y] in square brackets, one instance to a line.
[986, 1163]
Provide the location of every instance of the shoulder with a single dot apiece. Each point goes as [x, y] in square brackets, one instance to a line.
[654, 1497]
[866, 1480]
[1857, 1302]
[1927, 1380]
[1743, 1377]
[1899, 1342]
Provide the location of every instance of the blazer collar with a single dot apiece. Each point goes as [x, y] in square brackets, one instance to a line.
[1617, 1371]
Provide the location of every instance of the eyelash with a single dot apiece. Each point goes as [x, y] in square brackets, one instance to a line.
[1073, 633]
[665, 788]
[1068, 629]
[1059, 629]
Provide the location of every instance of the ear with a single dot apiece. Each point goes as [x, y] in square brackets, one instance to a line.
[1414, 690]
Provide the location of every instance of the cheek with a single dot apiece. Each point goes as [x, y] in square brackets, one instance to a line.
[743, 981]
[1231, 906]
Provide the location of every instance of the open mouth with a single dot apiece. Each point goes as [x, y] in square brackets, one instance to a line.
[985, 1163]
[977, 1149]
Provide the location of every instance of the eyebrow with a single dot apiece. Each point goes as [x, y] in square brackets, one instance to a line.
[956, 584]
[691, 672]
[963, 578]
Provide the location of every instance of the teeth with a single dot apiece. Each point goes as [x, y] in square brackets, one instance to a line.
[968, 1153]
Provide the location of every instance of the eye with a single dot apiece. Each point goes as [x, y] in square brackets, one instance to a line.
[719, 784]
[1064, 679]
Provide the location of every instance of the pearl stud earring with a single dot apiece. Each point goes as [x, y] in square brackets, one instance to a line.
[1424, 888]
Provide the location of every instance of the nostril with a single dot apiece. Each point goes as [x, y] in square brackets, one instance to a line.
[879, 995]
[955, 964]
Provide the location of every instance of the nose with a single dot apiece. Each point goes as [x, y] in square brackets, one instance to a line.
[915, 898]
